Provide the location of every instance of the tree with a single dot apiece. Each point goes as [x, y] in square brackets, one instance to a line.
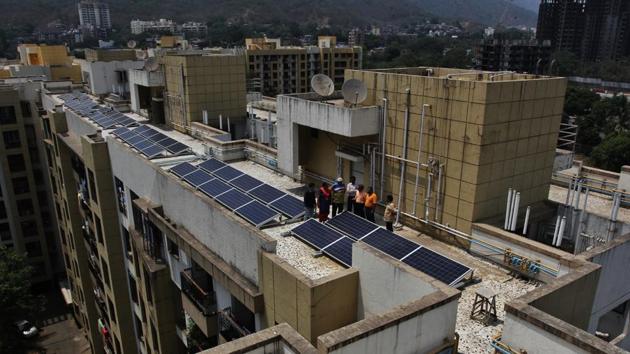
[613, 152]
[17, 302]
[579, 100]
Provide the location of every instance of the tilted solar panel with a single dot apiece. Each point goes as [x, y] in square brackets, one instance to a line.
[233, 199]
[212, 165]
[227, 173]
[183, 169]
[214, 188]
[341, 251]
[390, 243]
[289, 205]
[197, 178]
[316, 234]
[439, 267]
[246, 182]
[352, 225]
[257, 213]
[266, 193]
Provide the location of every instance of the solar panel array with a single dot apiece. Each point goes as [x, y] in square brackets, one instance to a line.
[235, 190]
[290, 206]
[105, 117]
[335, 239]
[150, 142]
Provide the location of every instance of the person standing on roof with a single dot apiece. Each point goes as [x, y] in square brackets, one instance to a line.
[309, 201]
[351, 190]
[338, 196]
[390, 213]
[323, 202]
[359, 201]
[370, 204]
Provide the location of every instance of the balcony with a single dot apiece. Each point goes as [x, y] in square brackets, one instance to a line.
[229, 327]
[199, 302]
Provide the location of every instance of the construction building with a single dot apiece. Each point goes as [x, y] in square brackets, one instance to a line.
[50, 61]
[186, 234]
[593, 30]
[27, 217]
[276, 69]
[523, 56]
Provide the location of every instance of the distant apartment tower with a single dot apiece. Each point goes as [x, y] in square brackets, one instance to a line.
[591, 29]
[160, 26]
[287, 69]
[27, 218]
[94, 14]
[525, 56]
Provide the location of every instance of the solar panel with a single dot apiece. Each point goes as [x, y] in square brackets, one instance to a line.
[390, 243]
[119, 131]
[126, 135]
[233, 199]
[227, 173]
[214, 187]
[212, 165]
[288, 205]
[257, 213]
[177, 148]
[142, 129]
[197, 178]
[266, 193]
[341, 251]
[183, 169]
[152, 151]
[437, 266]
[246, 182]
[141, 144]
[352, 225]
[316, 234]
[134, 139]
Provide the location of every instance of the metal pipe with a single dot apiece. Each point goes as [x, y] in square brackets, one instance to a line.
[438, 198]
[555, 232]
[515, 213]
[616, 207]
[415, 190]
[563, 224]
[508, 207]
[372, 165]
[566, 201]
[228, 125]
[586, 197]
[427, 197]
[404, 166]
[526, 220]
[572, 194]
[220, 122]
[383, 154]
[579, 193]
[398, 158]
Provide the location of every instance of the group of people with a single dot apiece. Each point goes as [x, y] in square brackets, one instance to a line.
[355, 198]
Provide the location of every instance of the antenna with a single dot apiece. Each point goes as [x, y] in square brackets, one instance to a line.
[131, 44]
[354, 91]
[322, 85]
[151, 64]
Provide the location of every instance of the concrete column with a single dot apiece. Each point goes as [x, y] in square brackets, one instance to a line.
[135, 97]
[624, 178]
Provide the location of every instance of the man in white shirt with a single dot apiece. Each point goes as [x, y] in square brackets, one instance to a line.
[351, 190]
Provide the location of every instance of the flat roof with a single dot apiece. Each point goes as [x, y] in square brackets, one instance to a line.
[597, 203]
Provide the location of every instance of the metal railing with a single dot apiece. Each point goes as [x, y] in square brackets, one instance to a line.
[205, 299]
[229, 327]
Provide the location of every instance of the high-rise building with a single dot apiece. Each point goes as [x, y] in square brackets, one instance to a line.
[94, 14]
[27, 217]
[278, 69]
[591, 29]
[524, 56]
[177, 240]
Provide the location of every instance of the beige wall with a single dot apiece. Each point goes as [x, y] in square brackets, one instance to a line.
[489, 135]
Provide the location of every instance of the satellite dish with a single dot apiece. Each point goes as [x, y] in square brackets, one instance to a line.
[151, 64]
[322, 85]
[142, 54]
[354, 91]
[131, 44]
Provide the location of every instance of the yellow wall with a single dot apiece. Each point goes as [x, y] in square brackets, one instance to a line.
[489, 135]
[72, 72]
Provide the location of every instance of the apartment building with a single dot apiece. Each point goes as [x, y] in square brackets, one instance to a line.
[27, 217]
[277, 69]
[94, 14]
[524, 56]
[205, 233]
[160, 26]
[106, 71]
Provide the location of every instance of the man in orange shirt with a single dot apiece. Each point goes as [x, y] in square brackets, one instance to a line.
[370, 203]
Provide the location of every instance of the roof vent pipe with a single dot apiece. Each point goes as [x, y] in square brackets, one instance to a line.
[517, 200]
[508, 207]
[526, 220]
[563, 224]
[555, 232]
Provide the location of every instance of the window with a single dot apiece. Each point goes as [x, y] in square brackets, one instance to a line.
[26, 109]
[127, 242]
[105, 269]
[3, 210]
[34, 249]
[7, 115]
[147, 286]
[133, 289]
[120, 194]
[20, 185]
[11, 139]
[16, 163]
[99, 229]
[29, 229]
[5, 232]
[112, 310]
[173, 249]
[92, 186]
[25, 207]
[31, 137]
